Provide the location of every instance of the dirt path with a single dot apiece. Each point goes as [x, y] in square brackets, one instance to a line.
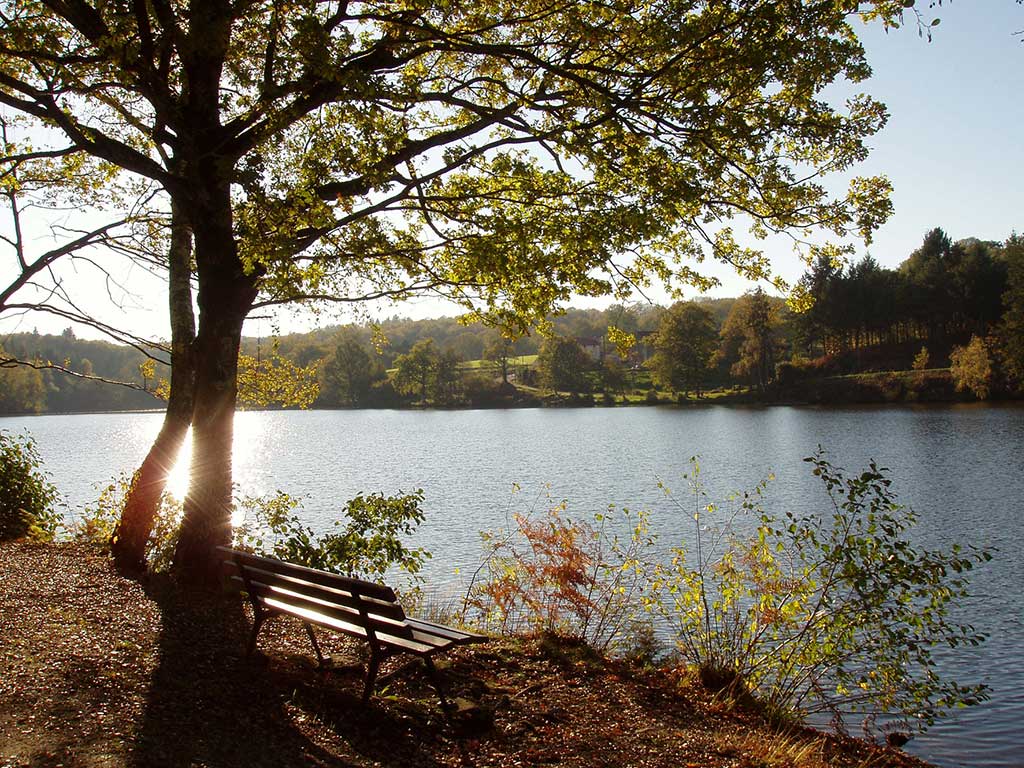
[99, 670]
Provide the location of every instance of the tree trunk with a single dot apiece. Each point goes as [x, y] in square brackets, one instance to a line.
[207, 521]
[142, 503]
[226, 295]
[128, 543]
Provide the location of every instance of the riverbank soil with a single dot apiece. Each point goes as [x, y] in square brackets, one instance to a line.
[100, 670]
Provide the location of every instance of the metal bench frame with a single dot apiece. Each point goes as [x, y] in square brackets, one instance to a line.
[354, 607]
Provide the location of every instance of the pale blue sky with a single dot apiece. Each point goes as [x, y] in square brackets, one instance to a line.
[953, 147]
[953, 150]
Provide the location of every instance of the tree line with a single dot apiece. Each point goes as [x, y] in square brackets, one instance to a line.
[947, 303]
[957, 304]
[62, 373]
[863, 317]
[944, 292]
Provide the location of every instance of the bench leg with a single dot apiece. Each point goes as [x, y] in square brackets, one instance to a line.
[435, 679]
[316, 645]
[258, 617]
[372, 668]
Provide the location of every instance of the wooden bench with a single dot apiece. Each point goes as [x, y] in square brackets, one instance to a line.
[361, 609]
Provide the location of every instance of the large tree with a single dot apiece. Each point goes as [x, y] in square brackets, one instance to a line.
[751, 339]
[416, 370]
[686, 341]
[563, 365]
[502, 154]
[349, 372]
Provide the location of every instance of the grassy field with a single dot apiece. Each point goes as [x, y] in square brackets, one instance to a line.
[513, 362]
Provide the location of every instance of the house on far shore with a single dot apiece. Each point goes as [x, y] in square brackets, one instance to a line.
[599, 349]
[593, 346]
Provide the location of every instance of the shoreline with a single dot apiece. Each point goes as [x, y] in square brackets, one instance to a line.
[741, 400]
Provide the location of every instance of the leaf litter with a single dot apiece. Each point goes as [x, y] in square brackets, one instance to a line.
[98, 670]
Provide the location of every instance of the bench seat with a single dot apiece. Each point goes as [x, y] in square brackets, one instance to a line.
[360, 609]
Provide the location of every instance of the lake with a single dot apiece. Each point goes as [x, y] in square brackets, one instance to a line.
[960, 467]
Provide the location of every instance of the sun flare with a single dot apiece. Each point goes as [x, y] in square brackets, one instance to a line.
[247, 433]
[177, 480]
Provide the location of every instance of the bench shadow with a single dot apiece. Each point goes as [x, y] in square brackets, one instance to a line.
[210, 705]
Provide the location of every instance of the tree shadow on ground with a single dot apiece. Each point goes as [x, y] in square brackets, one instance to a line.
[211, 705]
[56, 733]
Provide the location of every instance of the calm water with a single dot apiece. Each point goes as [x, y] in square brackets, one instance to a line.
[961, 468]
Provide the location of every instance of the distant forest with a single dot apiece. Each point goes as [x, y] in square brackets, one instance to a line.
[864, 317]
[42, 385]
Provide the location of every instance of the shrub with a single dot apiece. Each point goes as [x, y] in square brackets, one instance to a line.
[369, 544]
[921, 360]
[796, 370]
[641, 646]
[559, 576]
[481, 390]
[836, 611]
[971, 368]
[99, 521]
[383, 395]
[28, 500]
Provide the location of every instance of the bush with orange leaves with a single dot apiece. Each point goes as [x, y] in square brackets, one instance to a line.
[550, 573]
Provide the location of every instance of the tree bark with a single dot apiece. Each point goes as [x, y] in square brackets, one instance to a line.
[128, 543]
[226, 295]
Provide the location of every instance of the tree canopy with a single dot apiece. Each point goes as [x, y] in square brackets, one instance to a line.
[388, 141]
[505, 155]
[944, 291]
[562, 365]
[750, 337]
[1012, 328]
[416, 370]
[685, 343]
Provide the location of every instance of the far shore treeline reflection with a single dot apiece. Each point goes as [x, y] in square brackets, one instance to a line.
[948, 301]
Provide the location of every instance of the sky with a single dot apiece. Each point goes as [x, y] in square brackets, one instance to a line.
[953, 149]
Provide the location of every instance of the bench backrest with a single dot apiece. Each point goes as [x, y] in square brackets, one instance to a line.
[370, 609]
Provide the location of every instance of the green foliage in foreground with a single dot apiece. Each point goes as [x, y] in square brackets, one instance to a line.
[368, 544]
[99, 521]
[835, 610]
[27, 498]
